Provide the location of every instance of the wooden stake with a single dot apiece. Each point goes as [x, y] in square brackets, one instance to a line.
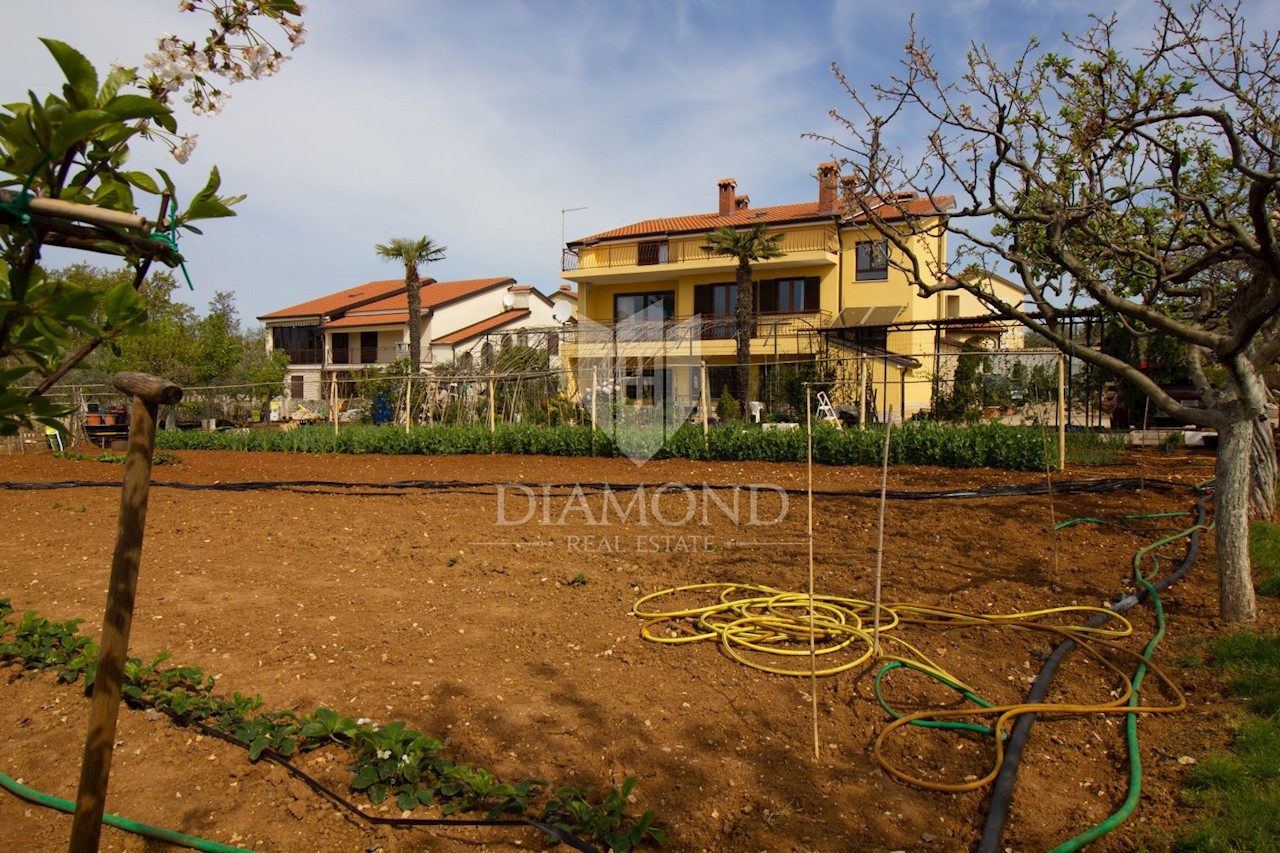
[594, 393]
[703, 407]
[408, 401]
[492, 407]
[813, 642]
[1062, 413]
[884, 486]
[148, 393]
[333, 402]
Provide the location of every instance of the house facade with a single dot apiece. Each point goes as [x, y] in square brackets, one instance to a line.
[340, 334]
[833, 295]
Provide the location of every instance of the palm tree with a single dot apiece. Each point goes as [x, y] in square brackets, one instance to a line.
[413, 253]
[747, 246]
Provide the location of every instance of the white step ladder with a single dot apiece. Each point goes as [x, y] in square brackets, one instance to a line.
[826, 413]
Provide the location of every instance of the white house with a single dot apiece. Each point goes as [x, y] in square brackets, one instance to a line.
[344, 332]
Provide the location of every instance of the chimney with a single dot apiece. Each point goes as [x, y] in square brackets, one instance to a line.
[828, 177]
[727, 187]
[741, 203]
[848, 189]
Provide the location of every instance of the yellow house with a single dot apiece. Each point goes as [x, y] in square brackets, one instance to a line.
[831, 308]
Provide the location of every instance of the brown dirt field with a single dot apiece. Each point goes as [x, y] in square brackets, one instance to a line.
[418, 605]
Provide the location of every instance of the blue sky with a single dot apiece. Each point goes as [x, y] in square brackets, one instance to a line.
[479, 122]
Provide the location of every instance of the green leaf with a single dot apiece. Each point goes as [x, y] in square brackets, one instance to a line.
[142, 181]
[123, 307]
[255, 748]
[365, 777]
[117, 78]
[75, 128]
[207, 204]
[135, 106]
[81, 77]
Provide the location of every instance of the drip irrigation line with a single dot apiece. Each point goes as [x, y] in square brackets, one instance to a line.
[561, 835]
[572, 489]
[1002, 791]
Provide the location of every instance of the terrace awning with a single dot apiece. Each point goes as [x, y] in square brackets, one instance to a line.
[867, 315]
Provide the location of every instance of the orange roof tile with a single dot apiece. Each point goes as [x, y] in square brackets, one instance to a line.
[779, 214]
[483, 326]
[382, 318]
[342, 300]
[435, 294]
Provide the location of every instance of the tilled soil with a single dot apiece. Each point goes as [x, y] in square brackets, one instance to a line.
[499, 619]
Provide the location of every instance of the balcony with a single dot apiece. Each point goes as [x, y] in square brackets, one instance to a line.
[669, 258]
[308, 355]
[681, 338]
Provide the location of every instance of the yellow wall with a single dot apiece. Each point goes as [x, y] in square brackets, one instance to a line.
[815, 252]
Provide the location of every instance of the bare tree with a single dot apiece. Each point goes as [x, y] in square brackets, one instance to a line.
[1141, 180]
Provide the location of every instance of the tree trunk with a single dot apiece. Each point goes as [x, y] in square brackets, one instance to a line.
[742, 334]
[1262, 472]
[414, 292]
[1231, 522]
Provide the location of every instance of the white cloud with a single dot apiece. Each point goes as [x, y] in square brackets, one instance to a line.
[477, 123]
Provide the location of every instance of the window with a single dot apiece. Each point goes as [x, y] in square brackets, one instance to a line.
[651, 252]
[368, 347]
[296, 389]
[715, 301]
[953, 305]
[656, 305]
[304, 344]
[553, 343]
[341, 348]
[787, 296]
[873, 260]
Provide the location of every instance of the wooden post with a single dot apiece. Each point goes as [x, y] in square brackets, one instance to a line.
[333, 401]
[492, 407]
[408, 401]
[148, 393]
[1062, 412]
[703, 408]
[862, 392]
[595, 387]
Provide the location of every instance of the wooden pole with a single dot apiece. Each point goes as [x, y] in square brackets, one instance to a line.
[408, 401]
[704, 409]
[60, 209]
[813, 642]
[333, 401]
[148, 393]
[492, 407]
[594, 394]
[1062, 413]
[862, 392]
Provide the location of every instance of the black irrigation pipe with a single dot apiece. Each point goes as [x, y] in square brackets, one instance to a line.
[1002, 790]
[402, 487]
[561, 835]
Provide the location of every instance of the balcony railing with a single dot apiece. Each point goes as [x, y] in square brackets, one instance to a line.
[311, 355]
[658, 253]
[709, 327]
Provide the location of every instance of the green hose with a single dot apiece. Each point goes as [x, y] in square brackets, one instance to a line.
[1131, 720]
[41, 799]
